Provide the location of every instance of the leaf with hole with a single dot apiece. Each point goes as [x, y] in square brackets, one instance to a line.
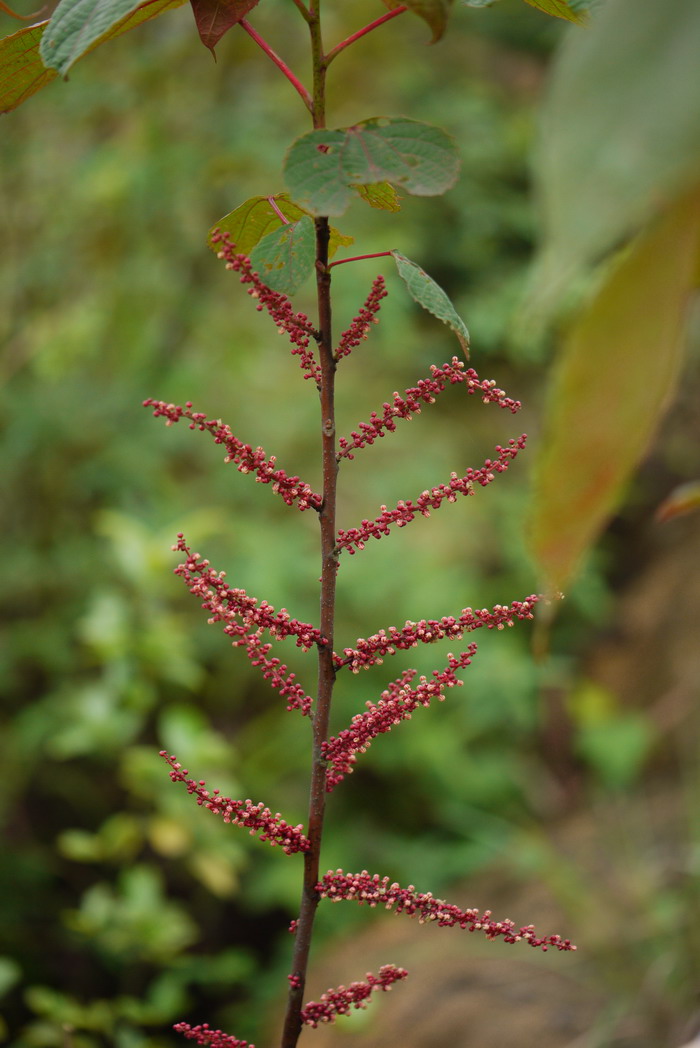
[285, 258]
[430, 296]
[381, 195]
[323, 168]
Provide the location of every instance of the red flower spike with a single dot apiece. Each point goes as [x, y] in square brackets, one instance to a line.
[370, 651]
[397, 703]
[245, 619]
[296, 326]
[405, 512]
[212, 1038]
[360, 326]
[255, 817]
[339, 1001]
[376, 891]
[291, 489]
[424, 392]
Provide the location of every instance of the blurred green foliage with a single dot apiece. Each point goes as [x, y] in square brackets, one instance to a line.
[124, 908]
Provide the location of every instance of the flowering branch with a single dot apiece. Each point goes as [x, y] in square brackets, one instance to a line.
[211, 1038]
[291, 489]
[359, 329]
[241, 813]
[365, 888]
[425, 391]
[397, 703]
[405, 512]
[339, 1001]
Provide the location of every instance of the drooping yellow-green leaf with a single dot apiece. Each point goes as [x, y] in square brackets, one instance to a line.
[256, 217]
[435, 12]
[557, 8]
[381, 195]
[22, 72]
[614, 379]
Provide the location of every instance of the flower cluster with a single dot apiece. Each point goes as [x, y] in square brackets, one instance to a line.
[291, 489]
[376, 891]
[406, 511]
[241, 813]
[359, 329]
[203, 1034]
[296, 326]
[425, 392]
[341, 1000]
[245, 620]
[397, 703]
[370, 651]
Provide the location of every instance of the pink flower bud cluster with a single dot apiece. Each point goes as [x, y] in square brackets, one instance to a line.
[425, 391]
[356, 995]
[370, 651]
[241, 813]
[360, 326]
[396, 704]
[291, 489]
[203, 1034]
[245, 620]
[406, 511]
[296, 326]
[376, 891]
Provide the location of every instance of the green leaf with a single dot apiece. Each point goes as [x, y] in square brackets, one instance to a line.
[557, 8]
[381, 195]
[616, 374]
[430, 296]
[284, 259]
[619, 134]
[256, 217]
[434, 12]
[323, 168]
[213, 18]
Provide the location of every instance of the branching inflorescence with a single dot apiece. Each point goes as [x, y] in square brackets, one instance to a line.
[343, 998]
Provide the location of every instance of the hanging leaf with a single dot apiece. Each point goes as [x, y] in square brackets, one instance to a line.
[284, 259]
[434, 12]
[430, 296]
[323, 168]
[256, 217]
[213, 18]
[22, 72]
[381, 195]
[557, 8]
[618, 369]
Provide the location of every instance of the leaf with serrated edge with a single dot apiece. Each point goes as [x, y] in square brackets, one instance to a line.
[381, 195]
[617, 372]
[213, 18]
[430, 296]
[256, 217]
[434, 12]
[557, 8]
[323, 167]
[285, 258]
[22, 72]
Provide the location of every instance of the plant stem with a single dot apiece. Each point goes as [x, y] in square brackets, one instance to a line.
[359, 258]
[329, 571]
[279, 62]
[335, 51]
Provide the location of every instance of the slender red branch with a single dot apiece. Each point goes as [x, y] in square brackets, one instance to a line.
[359, 258]
[335, 51]
[279, 62]
[273, 205]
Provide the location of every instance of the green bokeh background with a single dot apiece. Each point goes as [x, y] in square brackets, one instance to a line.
[123, 907]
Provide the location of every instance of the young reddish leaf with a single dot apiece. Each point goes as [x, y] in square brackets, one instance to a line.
[22, 72]
[381, 195]
[324, 168]
[616, 374]
[434, 12]
[430, 296]
[257, 217]
[284, 259]
[557, 8]
[215, 17]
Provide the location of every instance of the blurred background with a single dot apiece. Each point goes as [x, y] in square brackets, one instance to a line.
[561, 789]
